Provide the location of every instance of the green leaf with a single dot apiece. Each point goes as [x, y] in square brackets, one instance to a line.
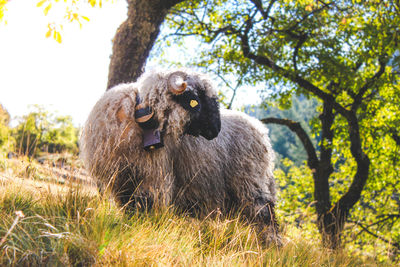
[40, 3]
[58, 37]
[85, 18]
[46, 10]
[48, 33]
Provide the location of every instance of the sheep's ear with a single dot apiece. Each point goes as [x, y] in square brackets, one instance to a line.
[121, 115]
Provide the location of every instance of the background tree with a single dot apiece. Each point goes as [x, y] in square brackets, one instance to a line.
[30, 131]
[135, 38]
[335, 51]
[42, 131]
[5, 131]
[4, 116]
[284, 142]
[61, 136]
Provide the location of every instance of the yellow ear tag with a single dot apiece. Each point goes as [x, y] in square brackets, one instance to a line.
[193, 103]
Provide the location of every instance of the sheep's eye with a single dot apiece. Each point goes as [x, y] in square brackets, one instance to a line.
[189, 101]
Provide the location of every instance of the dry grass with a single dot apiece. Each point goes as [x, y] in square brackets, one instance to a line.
[65, 222]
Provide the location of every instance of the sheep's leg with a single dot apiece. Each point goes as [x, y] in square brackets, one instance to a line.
[124, 186]
[129, 193]
[135, 198]
[258, 207]
[140, 197]
[266, 222]
[154, 191]
[143, 201]
[139, 193]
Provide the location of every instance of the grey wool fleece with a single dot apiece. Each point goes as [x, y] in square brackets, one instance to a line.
[232, 172]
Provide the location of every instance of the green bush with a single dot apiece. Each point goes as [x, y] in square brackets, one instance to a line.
[42, 131]
[6, 140]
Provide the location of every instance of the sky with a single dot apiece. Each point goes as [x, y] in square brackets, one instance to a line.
[66, 78]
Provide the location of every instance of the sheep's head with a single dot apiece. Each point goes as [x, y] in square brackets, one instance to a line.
[203, 108]
[183, 103]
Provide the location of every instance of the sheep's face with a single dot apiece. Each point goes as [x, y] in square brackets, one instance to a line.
[203, 108]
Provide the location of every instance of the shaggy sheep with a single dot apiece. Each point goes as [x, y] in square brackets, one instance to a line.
[163, 141]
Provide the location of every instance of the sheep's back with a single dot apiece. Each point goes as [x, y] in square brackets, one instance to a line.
[106, 140]
[212, 171]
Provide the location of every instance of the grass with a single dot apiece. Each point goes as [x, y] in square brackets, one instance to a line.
[48, 222]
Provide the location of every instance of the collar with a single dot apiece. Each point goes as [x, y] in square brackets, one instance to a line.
[144, 116]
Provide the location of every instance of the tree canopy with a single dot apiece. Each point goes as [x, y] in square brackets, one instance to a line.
[69, 11]
[42, 131]
[4, 129]
[341, 52]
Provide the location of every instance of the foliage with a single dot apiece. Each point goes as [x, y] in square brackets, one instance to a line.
[6, 141]
[72, 14]
[62, 135]
[42, 131]
[66, 11]
[284, 142]
[2, 8]
[4, 116]
[297, 207]
[343, 52]
[72, 225]
[296, 201]
[378, 213]
[295, 180]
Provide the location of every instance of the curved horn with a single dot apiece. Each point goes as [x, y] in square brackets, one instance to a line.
[176, 82]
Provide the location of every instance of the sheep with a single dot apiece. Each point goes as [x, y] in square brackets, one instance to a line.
[164, 141]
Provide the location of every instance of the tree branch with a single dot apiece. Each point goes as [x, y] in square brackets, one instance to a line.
[135, 38]
[358, 98]
[264, 13]
[395, 136]
[347, 201]
[327, 117]
[315, 11]
[300, 42]
[391, 216]
[234, 89]
[325, 168]
[365, 229]
[302, 135]
[295, 78]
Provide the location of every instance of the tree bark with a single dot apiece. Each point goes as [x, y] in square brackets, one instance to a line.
[322, 169]
[331, 219]
[135, 38]
[395, 136]
[326, 223]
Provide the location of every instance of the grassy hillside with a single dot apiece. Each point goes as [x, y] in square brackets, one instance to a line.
[53, 216]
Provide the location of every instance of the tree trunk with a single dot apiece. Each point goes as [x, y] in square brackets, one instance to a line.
[326, 223]
[135, 38]
[331, 222]
[330, 226]
[331, 219]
